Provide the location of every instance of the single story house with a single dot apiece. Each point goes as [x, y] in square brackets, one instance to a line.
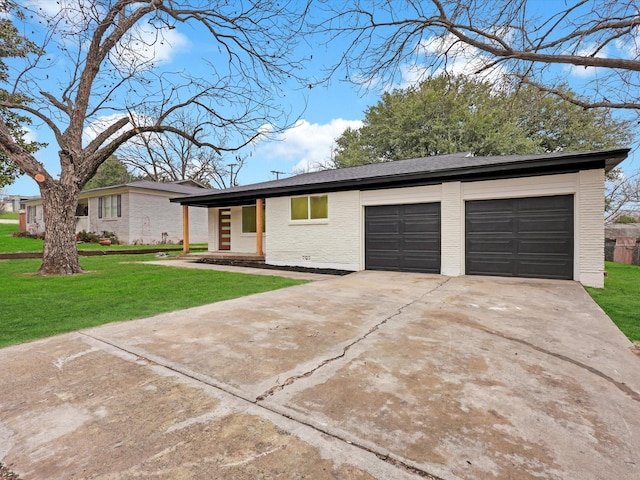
[137, 212]
[14, 203]
[519, 215]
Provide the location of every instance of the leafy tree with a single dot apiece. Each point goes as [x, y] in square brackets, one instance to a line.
[111, 172]
[457, 114]
[12, 45]
[597, 38]
[96, 72]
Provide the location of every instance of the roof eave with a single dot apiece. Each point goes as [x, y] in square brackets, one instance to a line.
[536, 166]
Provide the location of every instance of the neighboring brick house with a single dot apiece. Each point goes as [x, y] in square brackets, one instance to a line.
[519, 215]
[137, 212]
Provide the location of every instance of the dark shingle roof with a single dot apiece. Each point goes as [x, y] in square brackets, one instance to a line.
[416, 171]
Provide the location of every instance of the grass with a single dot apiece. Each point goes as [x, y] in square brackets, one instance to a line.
[11, 244]
[9, 215]
[620, 298]
[35, 307]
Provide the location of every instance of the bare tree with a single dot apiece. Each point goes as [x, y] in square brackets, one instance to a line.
[96, 83]
[171, 157]
[599, 39]
[622, 194]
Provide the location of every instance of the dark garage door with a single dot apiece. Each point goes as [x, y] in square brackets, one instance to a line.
[403, 237]
[520, 237]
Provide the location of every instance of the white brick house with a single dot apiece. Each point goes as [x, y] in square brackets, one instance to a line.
[521, 215]
[137, 212]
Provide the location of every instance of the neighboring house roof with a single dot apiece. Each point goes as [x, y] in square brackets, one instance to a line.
[184, 187]
[179, 187]
[412, 172]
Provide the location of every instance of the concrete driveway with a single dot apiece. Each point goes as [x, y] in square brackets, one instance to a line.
[372, 375]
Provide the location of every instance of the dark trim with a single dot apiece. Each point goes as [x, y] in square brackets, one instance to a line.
[527, 167]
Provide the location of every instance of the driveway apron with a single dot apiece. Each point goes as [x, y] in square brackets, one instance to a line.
[371, 375]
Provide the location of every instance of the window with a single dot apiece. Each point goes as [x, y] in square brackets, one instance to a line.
[109, 206]
[31, 214]
[249, 219]
[313, 207]
[82, 210]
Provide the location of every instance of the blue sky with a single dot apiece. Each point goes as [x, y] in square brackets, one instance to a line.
[325, 111]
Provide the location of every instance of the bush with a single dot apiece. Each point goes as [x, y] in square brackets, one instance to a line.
[87, 237]
[626, 219]
[27, 234]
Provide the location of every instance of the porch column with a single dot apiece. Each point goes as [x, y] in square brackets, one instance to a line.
[259, 227]
[185, 229]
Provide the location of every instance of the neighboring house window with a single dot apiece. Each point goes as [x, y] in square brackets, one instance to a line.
[82, 210]
[310, 208]
[31, 214]
[110, 206]
[249, 219]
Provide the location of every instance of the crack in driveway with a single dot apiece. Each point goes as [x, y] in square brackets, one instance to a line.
[619, 385]
[385, 457]
[346, 348]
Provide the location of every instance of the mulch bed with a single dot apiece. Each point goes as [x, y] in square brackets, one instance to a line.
[239, 263]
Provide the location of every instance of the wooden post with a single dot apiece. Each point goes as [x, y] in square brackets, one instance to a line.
[185, 229]
[259, 227]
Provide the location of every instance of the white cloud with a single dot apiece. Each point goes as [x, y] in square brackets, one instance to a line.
[585, 72]
[29, 135]
[308, 144]
[146, 44]
[461, 59]
[142, 45]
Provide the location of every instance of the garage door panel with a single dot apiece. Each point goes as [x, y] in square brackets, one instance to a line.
[492, 207]
[403, 237]
[551, 225]
[554, 204]
[544, 246]
[421, 226]
[384, 245]
[489, 226]
[383, 227]
[498, 265]
[524, 237]
[424, 246]
[543, 269]
[491, 245]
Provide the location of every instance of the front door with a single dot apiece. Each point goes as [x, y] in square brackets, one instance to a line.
[224, 229]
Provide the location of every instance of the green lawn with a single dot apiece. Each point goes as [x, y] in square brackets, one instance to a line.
[9, 215]
[11, 244]
[620, 298]
[34, 307]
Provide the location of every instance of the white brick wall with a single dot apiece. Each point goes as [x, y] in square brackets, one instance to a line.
[334, 243]
[145, 215]
[339, 241]
[590, 228]
[453, 231]
[150, 214]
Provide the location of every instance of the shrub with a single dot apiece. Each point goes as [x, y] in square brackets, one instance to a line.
[87, 237]
[626, 219]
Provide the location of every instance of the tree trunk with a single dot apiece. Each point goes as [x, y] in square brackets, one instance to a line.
[60, 256]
